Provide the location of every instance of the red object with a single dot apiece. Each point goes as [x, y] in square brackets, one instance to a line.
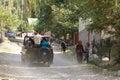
[42, 33]
[76, 37]
[79, 48]
[88, 37]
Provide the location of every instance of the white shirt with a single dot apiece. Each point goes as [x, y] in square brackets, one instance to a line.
[37, 39]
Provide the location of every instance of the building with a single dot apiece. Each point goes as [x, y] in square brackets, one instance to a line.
[84, 35]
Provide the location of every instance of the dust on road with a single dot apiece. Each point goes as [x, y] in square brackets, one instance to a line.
[12, 68]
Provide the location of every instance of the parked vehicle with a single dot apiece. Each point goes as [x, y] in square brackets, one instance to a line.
[10, 34]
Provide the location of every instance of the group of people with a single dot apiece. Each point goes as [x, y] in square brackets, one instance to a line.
[36, 41]
[82, 52]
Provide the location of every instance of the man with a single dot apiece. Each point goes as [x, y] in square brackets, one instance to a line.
[25, 39]
[37, 39]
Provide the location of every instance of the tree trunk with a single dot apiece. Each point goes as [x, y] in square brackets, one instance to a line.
[2, 36]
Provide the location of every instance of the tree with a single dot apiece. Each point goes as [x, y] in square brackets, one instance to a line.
[8, 21]
[105, 17]
[54, 16]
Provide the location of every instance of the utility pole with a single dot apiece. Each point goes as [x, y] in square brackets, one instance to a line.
[22, 15]
[17, 8]
[42, 11]
[22, 10]
[116, 2]
[4, 3]
[2, 32]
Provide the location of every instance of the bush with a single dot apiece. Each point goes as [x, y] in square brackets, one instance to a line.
[115, 52]
[1, 40]
[104, 47]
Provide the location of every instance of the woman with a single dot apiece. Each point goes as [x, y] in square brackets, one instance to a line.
[79, 51]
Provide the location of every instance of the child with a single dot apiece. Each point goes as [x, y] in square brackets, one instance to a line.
[86, 52]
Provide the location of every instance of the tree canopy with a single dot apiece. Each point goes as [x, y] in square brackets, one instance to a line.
[57, 17]
[104, 15]
[8, 21]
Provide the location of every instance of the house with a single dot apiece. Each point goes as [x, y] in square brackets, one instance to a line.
[84, 35]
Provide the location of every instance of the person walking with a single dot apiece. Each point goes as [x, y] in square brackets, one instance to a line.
[86, 52]
[63, 45]
[79, 51]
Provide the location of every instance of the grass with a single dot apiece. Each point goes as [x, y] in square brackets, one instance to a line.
[13, 40]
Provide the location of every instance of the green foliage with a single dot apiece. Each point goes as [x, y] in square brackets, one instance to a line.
[115, 52]
[105, 16]
[8, 21]
[115, 22]
[57, 18]
[1, 40]
[25, 27]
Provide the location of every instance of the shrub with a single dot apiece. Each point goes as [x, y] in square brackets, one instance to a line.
[115, 52]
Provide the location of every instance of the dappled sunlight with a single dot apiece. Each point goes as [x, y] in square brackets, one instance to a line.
[56, 72]
[71, 66]
[10, 52]
[10, 47]
[34, 66]
[57, 52]
[16, 67]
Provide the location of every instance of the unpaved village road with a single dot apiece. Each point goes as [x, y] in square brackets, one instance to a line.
[11, 68]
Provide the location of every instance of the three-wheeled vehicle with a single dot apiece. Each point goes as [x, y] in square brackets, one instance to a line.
[30, 53]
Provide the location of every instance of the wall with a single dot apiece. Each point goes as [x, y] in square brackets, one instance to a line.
[83, 33]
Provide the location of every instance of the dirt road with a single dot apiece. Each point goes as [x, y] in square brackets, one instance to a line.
[11, 68]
